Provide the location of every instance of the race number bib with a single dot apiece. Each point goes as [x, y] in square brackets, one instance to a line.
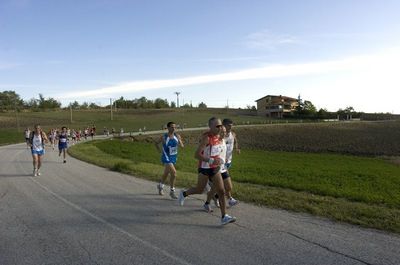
[173, 150]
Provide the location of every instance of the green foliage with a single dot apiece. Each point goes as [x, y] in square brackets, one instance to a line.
[9, 100]
[202, 105]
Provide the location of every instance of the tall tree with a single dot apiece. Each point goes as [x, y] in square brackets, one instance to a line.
[10, 100]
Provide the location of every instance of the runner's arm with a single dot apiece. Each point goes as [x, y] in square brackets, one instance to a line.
[180, 140]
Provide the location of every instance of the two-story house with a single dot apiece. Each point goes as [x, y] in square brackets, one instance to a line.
[276, 106]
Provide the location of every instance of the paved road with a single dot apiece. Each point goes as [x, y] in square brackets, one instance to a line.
[77, 213]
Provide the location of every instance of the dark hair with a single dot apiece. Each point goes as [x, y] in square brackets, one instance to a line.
[170, 123]
[62, 128]
[227, 121]
[211, 120]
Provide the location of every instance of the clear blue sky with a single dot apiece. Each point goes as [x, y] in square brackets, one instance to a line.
[334, 53]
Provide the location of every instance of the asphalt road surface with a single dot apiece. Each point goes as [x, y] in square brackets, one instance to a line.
[77, 213]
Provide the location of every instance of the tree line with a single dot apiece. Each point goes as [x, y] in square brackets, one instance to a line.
[9, 100]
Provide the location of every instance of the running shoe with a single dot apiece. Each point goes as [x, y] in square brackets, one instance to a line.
[232, 202]
[160, 188]
[65, 161]
[208, 208]
[38, 173]
[216, 202]
[227, 219]
[181, 198]
[34, 172]
[173, 195]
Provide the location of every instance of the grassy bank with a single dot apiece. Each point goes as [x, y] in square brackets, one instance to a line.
[357, 190]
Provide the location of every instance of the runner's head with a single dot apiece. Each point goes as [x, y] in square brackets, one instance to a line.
[215, 125]
[64, 129]
[171, 126]
[37, 128]
[227, 124]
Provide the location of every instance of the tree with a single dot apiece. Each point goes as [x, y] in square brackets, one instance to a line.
[202, 105]
[74, 105]
[305, 108]
[160, 103]
[93, 106]
[309, 108]
[49, 103]
[10, 100]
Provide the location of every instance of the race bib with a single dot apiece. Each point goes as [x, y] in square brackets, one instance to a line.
[173, 150]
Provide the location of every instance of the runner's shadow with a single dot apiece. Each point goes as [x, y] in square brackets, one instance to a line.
[15, 175]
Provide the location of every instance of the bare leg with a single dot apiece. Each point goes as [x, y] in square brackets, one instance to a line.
[228, 187]
[219, 188]
[35, 161]
[201, 184]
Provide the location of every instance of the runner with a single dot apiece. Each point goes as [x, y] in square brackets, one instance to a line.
[37, 140]
[231, 143]
[169, 153]
[54, 133]
[208, 153]
[27, 133]
[63, 142]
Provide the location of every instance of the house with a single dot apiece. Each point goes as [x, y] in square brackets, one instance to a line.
[276, 106]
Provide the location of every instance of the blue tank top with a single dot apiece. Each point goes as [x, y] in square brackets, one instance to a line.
[170, 146]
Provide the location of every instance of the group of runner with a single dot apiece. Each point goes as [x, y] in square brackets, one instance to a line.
[214, 154]
[37, 139]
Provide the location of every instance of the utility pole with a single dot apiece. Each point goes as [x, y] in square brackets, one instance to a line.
[16, 116]
[177, 98]
[111, 106]
[70, 111]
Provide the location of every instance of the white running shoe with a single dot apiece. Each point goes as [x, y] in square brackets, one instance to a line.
[160, 188]
[232, 202]
[38, 173]
[216, 202]
[208, 208]
[34, 172]
[181, 198]
[227, 219]
[173, 195]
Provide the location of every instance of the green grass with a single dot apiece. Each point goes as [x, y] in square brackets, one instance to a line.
[357, 190]
[11, 136]
[129, 120]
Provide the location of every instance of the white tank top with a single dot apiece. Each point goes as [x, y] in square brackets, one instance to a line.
[230, 144]
[37, 143]
[212, 150]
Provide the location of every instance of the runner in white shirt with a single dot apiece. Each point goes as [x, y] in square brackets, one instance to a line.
[27, 133]
[208, 153]
[37, 139]
[230, 143]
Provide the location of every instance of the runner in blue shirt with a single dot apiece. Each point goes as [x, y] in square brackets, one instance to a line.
[169, 153]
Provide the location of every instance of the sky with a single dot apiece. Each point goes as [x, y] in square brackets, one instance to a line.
[335, 54]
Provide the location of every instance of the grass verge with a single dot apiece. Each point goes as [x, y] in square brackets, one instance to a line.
[327, 195]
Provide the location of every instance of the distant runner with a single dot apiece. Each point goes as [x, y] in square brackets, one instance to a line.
[27, 133]
[63, 142]
[169, 154]
[37, 140]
